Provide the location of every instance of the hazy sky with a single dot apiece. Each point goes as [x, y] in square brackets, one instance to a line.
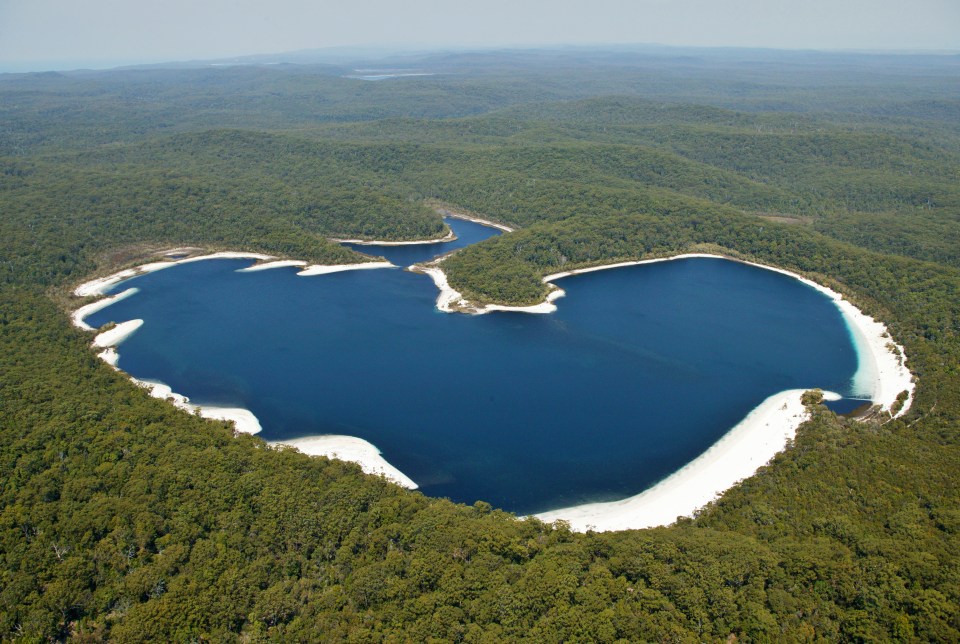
[61, 32]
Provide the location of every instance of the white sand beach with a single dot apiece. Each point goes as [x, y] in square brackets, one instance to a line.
[319, 269]
[89, 309]
[243, 419]
[739, 454]
[225, 254]
[350, 448]
[450, 300]
[117, 334]
[265, 266]
[477, 220]
[881, 376]
[100, 285]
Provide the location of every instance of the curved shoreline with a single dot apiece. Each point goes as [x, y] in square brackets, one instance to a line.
[446, 212]
[767, 430]
[365, 454]
[349, 448]
[99, 286]
[749, 445]
[882, 373]
[451, 300]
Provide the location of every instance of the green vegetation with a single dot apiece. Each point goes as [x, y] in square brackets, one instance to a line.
[123, 518]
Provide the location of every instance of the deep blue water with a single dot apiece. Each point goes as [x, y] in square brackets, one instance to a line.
[639, 371]
[467, 233]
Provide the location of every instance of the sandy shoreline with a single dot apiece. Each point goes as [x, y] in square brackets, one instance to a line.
[243, 419]
[751, 444]
[344, 447]
[452, 301]
[265, 266]
[882, 373]
[881, 376]
[477, 220]
[326, 269]
[89, 309]
[353, 449]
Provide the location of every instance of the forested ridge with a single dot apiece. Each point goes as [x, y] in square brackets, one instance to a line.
[123, 518]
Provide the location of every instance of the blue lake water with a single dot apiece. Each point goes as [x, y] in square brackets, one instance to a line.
[639, 371]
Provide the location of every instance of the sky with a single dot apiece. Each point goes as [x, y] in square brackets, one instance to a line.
[64, 34]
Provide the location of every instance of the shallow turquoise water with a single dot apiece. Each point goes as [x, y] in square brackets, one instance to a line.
[639, 371]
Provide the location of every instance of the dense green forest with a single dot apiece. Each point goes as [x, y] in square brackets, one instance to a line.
[123, 518]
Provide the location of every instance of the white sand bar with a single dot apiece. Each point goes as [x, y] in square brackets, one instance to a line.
[265, 266]
[117, 334]
[739, 454]
[318, 269]
[100, 285]
[226, 254]
[89, 309]
[355, 450]
[243, 419]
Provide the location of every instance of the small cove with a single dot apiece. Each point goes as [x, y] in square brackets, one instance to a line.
[638, 371]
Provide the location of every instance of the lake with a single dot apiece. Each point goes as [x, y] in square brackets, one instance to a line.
[639, 370]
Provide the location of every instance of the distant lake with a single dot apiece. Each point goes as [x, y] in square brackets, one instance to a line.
[639, 371]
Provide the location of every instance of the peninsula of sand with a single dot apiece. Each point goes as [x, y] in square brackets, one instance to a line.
[882, 376]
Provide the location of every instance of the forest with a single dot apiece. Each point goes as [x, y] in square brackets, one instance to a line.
[123, 518]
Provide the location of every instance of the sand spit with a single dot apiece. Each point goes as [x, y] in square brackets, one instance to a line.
[318, 269]
[265, 266]
[243, 419]
[752, 443]
[100, 285]
[89, 309]
[350, 448]
[117, 334]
